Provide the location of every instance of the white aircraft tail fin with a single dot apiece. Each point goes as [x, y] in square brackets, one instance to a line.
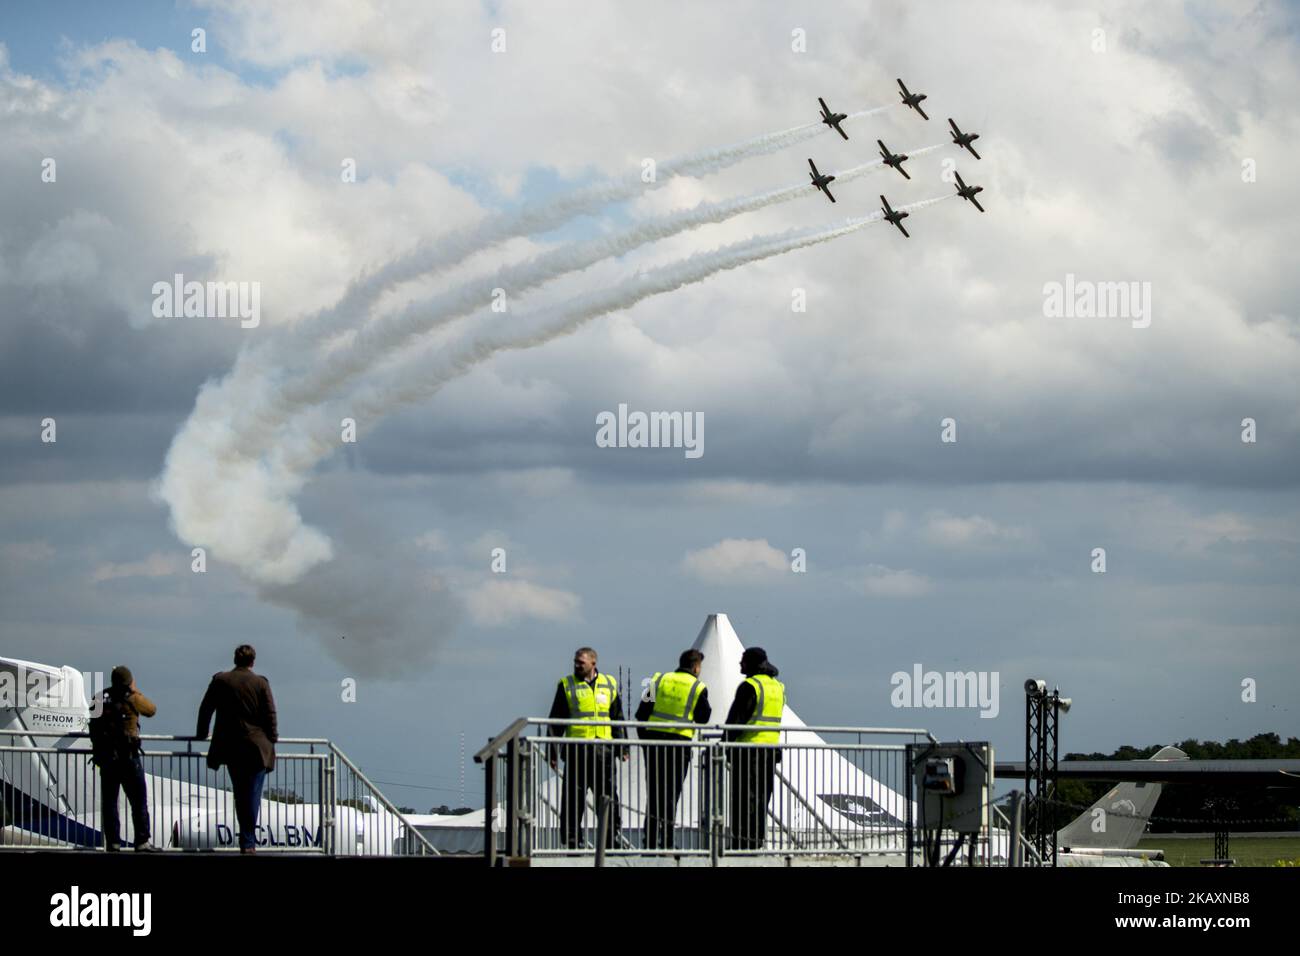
[45, 793]
[39, 697]
[1119, 818]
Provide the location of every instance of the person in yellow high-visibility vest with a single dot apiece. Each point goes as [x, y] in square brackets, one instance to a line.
[758, 704]
[675, 697]
[588, 695]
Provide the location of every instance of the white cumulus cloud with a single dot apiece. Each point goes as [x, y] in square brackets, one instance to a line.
[881, 581]
[501, 603]
[953, 531]
[736, 559]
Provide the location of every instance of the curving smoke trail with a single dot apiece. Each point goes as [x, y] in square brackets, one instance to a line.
[386, 335]
[446, 251]
[413, 380]
[242, 507]
[261, 371]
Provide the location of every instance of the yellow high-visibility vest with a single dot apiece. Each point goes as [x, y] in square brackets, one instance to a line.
[590, 703]
[675, 696]
[771, 703]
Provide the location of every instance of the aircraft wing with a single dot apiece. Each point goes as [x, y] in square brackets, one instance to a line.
[972, 151]
[828, 193]
[977, 203]
[900, 168]
[954, 126]
[921, 111]
[901, 229]
[840, 131]
[903, 86]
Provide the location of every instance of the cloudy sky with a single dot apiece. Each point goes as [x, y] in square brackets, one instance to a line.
[1147, 145]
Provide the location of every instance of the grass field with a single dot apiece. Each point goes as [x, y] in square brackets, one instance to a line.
[1247, 851]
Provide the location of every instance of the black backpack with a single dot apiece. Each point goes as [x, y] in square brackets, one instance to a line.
[109, 743]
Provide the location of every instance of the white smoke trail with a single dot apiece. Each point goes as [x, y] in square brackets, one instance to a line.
[415, 383]
[258, 369]
[389, 333]
[242, 508]
[393, 331]
[446, 251]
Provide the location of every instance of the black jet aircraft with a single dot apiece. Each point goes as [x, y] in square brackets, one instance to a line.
[964, 140]
[968, 192]
[912, 99]
[893, 159]
[833, 119]
[895, 217]
[821, 180]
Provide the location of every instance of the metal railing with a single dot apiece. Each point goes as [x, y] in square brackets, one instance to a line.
[557, 796]
[315, 801]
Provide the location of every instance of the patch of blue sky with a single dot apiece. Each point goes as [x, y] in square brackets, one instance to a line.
[540, 184]
[41, 36]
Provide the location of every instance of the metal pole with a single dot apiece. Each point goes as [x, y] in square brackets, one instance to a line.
[1056, 737]
[1029, 760]
[602, 827]
[716, 763]
[1017, 854]
[908, 771]
[528, 799]
[489, 804]
[512, 797]
[329, 799]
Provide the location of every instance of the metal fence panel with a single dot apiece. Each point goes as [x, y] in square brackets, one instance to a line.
[705, 796]
[314, 801]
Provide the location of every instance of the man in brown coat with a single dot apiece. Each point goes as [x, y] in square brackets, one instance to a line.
[244, 737]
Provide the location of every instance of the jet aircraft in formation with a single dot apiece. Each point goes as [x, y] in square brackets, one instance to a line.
[893, 159]
[968, 192]
[912, 101]
[963, 140]
[833, 119]
[894, 216]
[821, 180]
